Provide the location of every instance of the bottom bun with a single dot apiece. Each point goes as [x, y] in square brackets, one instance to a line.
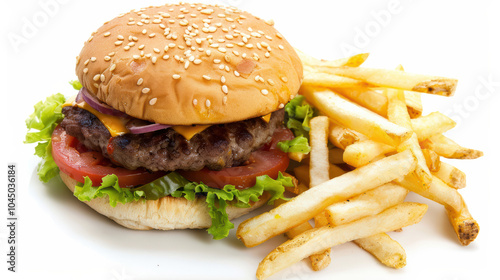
[166, 213]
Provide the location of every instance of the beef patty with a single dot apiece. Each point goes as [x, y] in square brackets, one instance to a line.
[216, 147]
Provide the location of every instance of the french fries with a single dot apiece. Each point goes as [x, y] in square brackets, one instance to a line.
[363, 152]
[447, 148]
[388, 251]
[319, 172]
[299, 209]
[432, 124]
[451, 176]
[384, 148]
[396, 79]
[317, 239]
[355, 117]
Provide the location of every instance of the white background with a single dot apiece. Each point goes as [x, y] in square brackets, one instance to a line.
[61, 238]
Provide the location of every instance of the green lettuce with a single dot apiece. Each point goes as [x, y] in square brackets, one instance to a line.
[298, 144]
[40, 126]
[177, 186]
[76, 84]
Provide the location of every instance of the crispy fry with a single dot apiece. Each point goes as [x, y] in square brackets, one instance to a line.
[396, 79]
[341, 137]
[437, 191]
[432, 124]
[398, 114]
[317, 239]
[355, 117]
[368, 203]
[451, 176]
[353, 61]
[312, 202]
[366, 97]
[318, 174]
[363, 152]
[316, 79]
[432, 159]
[388, 251]
[447, 148]
[414, 103]
[464, 225]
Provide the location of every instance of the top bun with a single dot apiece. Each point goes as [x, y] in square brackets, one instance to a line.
[184, 64]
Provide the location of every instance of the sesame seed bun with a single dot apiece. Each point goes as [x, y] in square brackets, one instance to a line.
[188, 64]
[166, 213]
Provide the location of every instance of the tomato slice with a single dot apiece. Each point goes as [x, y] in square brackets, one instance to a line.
[77, 161]
[269, 160]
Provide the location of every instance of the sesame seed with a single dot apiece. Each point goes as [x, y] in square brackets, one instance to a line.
[223, 79]
[153, 101]
[225, 89]
[140, 47]
[236, 73]
[281, 47]
[139, 82]
[207, 11]
[195, 102]
[224, 99]
[156, 50]
[279, 35]
[208, 52]
[107, 34]
[207, 103]
[206, 77]
[85, 70]
[271, 82]
[145, 90]
[176, 76]
[117, 43]
[221, 67]
[186, 65]
[264, 92]
[86, 62]
[267, 54]
[197, 61]
[284, 79]
[152, 35]
[96, 85]
[171, 45]
[165, 56]
[222, 50]
[144, 31]
[107, 58]
[153, 59]
[216, 60]
[93, 58]
[227, 68]
[131, 44]
[281, 105]
[126, 48]
[113, 66]
[229, 36]
[257, 78]
[97, 77]
[103, 78]
[135, 56]
[249, 46]
[120, 37]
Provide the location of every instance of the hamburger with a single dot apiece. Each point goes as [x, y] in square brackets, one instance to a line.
[176, 120]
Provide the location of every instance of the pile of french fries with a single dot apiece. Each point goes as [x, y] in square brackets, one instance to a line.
[384, 148]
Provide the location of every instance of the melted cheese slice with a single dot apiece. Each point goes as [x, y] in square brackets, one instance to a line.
[266, 118]
[189, 131]
[116, 125]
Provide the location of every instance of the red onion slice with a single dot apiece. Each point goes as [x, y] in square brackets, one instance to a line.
[99, 106]
[137, 126]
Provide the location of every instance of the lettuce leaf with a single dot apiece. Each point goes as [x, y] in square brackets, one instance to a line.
[299, 113]
[217, 199]
[298, 144]
[43, 120]
[76, 84]
[177, 186]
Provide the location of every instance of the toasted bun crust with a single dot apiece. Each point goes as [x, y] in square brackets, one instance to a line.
[166, 213]
[188, 64]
